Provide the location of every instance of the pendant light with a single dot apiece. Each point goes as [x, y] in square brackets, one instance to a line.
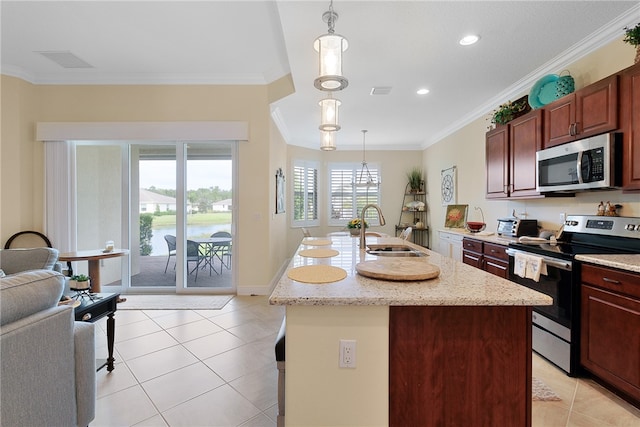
[365, 179]
[330, 47]
[329, 114]
[327, 141]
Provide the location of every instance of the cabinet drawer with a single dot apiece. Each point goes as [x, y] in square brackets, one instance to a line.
[496, 251]
[472, 245]
[614, 280]
[472, 258]
[496, 267]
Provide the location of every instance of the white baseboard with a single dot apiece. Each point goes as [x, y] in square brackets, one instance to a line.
[264, 290]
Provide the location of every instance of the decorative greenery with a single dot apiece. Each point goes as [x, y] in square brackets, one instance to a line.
[632, 35]
[355, 223]
[508, 111]
[146, 233]
[80, 278]
[415, 178]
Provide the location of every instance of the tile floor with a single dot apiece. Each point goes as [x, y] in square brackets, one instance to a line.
[217, 368]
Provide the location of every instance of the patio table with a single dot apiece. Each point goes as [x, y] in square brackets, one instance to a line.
[213, 246]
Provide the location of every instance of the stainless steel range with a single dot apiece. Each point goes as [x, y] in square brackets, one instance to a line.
[556, 331]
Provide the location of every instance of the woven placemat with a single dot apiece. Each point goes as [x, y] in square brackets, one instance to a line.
[316, 242]
[318, 253]
[317, 274]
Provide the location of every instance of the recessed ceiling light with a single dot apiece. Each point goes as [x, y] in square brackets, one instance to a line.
[468, 40]
[422, 91]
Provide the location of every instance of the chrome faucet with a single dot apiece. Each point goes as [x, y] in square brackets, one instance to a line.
[363, 244]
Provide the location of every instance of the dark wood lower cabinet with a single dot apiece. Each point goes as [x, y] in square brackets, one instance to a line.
[460, 366]
[610, 325]
[489, 257]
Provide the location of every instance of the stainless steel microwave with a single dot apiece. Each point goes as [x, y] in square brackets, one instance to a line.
[593, 163]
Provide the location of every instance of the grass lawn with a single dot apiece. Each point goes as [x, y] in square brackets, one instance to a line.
[194, 219]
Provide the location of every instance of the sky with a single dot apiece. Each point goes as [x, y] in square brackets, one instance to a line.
[200, 174]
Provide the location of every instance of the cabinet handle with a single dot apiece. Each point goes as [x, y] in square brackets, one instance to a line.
[470, 257]
[571, 129]
[612, 281]
[501, 267]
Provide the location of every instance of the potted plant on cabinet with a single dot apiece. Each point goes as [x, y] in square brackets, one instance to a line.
[415, 180]
[632, 36]
[509, 111]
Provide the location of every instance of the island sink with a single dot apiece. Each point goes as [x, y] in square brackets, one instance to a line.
[395, 251]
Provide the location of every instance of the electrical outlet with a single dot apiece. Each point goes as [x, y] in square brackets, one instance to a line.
[347, 354]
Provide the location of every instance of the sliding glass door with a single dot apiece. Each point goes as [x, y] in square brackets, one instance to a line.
[170, 204]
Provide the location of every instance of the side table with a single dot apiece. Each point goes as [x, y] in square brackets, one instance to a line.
[91, 310]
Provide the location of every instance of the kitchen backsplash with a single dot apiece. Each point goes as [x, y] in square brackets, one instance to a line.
[548, 211]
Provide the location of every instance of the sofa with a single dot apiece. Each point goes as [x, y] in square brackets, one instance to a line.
[48, 370]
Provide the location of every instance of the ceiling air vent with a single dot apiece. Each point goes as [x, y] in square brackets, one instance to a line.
[380, 90]
[65, 59]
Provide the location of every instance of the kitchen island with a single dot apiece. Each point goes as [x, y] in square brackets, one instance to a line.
[454, 350]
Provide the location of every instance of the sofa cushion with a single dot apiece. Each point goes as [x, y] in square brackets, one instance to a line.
[28, 292]
[17, 260]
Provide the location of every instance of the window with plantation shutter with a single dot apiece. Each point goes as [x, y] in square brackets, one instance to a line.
[305, 193]
[347, 197]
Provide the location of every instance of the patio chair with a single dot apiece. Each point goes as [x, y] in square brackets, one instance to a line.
[223, 251]
[194, 255]
[171, 244]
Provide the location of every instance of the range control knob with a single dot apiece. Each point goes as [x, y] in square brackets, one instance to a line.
[630, 227]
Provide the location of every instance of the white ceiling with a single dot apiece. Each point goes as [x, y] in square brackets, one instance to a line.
[401, 44]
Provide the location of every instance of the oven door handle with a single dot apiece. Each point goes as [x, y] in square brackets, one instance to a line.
[549, 261]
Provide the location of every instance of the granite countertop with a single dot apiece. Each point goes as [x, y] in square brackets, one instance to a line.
[458, 284]
[486, 236]
[629, 262]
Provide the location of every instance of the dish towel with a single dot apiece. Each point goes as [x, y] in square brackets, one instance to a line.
[520, 265]
[529, 267]
[535, 267]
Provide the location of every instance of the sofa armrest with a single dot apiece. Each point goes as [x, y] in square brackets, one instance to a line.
[85, 360]
[37, 370]
[29, 292]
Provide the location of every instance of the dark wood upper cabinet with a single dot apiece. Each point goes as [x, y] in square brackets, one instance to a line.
[511, 157]
[497, 161]
[630, 126]
[525, 138]
[590, 111]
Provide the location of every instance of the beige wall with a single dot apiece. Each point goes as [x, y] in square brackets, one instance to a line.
[21, 170]
[24, 104]
[471, 175]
